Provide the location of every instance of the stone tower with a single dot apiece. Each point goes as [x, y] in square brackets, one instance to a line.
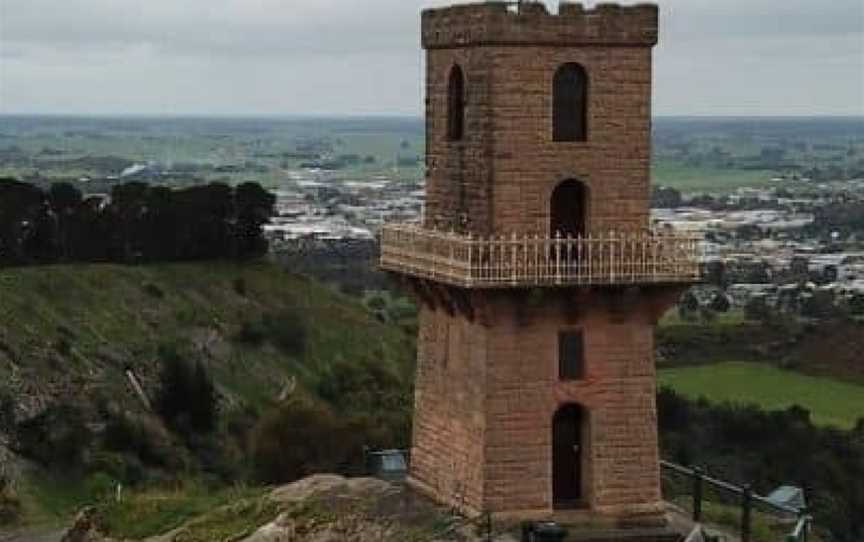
[538, 278]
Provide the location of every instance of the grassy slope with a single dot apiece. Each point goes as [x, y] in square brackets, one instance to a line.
[830, 401]
[112, 316]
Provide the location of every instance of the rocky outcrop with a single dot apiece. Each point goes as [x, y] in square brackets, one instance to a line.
[85, 528]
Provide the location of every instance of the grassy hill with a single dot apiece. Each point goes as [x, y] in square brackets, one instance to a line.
[68, 334]
[84, 325]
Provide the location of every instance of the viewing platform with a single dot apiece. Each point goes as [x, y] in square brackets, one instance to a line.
[614, 258]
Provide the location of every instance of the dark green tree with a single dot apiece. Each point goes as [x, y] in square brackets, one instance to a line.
[128, 204]
[21, 205]
[186, 399]
[254, 208]
[688, 306]
[65, 201]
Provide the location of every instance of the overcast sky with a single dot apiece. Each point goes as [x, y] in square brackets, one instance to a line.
[278, 57]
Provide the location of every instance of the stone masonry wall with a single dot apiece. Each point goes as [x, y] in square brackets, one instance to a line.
[449, 418]
[621, 475]
[500, 178]
[459, 174]
[487, 392]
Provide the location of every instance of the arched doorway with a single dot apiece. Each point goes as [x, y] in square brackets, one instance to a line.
[568, 447]
[568, 209]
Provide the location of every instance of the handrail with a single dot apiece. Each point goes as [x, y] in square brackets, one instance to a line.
[732, 488]
[532, 260]
[802, 527]
[799, 534]
[695, 534]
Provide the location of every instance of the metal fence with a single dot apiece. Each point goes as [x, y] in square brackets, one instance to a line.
[701, 489]
[531, 260]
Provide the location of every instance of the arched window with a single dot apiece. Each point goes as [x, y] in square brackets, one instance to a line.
[569, 209]
[455, 104]
[570, 103]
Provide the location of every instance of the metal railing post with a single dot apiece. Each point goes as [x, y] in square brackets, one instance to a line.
[746, 513]
[697, 494]
[803, 516]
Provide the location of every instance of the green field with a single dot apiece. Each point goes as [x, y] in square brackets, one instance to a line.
[830, 402]
[674, 174]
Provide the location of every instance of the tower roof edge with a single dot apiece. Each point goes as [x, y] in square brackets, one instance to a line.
[502, 23]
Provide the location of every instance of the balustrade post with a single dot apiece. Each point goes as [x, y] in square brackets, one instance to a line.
[514, 275]
[558, 257]
[611, 257]
[746, 513]
[470, 257]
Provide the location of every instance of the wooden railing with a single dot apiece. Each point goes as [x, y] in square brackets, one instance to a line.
[526, 260]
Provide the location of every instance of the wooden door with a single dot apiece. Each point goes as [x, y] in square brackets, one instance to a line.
[567, 449]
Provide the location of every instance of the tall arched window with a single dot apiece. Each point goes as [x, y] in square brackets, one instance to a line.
[568, 209]
[570, 103]
[455, 104]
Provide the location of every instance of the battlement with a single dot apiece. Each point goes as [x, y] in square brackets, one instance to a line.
[503, 23]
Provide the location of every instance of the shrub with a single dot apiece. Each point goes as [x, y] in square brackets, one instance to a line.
[186, 398]
[140, 436]
[251, 333]
[287, 330]
[299, 439]
[125, 468]
[7, 412]
[10, 506]
[57, 438]
[239, 286]
[99, 486]
[153, 290]
[64, 346]
[376, 303]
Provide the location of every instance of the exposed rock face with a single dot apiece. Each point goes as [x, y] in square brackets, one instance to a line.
[334, 509]
[321, 484]
[328, 508]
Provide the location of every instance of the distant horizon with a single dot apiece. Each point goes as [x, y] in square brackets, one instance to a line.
[403, 116]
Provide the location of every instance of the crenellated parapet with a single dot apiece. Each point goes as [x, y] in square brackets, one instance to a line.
[503, 23]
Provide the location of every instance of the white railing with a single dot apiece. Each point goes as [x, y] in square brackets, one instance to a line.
[526, 260]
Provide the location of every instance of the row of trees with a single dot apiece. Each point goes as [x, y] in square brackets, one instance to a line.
[137, 222]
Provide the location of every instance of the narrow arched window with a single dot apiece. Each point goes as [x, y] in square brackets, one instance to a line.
[455, 104]
[570, 104]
